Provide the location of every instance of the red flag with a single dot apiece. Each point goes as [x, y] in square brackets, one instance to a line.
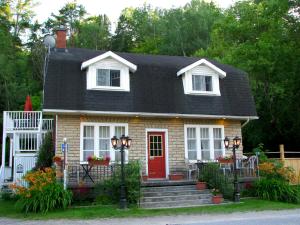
[28, 104]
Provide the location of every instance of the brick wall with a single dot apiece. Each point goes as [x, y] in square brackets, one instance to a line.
[69, 127]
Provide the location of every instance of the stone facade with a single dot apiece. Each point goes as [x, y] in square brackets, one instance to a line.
[69, 126]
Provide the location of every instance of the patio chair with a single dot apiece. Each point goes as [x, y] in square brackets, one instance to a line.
[252, 164]
[190, 168]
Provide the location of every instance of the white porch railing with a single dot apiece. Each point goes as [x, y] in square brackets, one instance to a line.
[26, 120]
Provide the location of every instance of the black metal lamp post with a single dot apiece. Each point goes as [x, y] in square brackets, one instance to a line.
[235, 145]
[125, 142]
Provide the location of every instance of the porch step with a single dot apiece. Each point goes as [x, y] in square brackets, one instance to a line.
[174, 196]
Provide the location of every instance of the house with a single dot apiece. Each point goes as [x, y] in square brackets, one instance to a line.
[175, 109]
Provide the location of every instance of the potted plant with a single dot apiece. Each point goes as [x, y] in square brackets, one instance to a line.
[57, 160]
[217, 197]
[98, 161]
[201, 184]
[226, 159]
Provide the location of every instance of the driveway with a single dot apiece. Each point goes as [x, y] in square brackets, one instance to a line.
[283, 217]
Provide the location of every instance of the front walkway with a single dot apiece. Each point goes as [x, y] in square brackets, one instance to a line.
[286, 217]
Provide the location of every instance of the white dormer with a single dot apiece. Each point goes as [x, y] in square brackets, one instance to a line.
[201, 78]
[108, 72]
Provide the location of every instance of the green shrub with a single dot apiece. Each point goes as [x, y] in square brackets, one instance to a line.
[45, 153]
[108, 191]
[276, 190]
[43, 194]
[212, 175]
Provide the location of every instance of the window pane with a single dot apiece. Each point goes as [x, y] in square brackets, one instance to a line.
[202, 83]
[192, 145]
[86, 154]
[119, 131]
[191, 132]
[104, 132]
[204, 133]
[115, 78]
[103, 77]
[88, 144]
[205, 155]
[217, 144]
[88, 131]
[104, 144]
[204, 144]
[208, 83]
[192, 155]
[217, 133]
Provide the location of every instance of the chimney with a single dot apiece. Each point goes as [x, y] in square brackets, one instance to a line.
[61, 37]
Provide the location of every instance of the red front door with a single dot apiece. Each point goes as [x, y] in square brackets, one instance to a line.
[156, 155]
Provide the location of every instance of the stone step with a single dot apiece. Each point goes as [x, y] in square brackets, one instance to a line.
[173, 193]
[168, 188]
[175, 204]
[177, 198]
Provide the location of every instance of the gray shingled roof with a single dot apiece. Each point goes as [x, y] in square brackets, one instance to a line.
[154, 87]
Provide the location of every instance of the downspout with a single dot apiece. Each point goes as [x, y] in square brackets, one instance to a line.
[244, 124]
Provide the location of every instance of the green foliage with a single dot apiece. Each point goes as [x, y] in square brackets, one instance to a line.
[43, 194]
[262, 38]
[46, 153]
[276, 190]
[212, 175]
[51, 196]
[108, 191]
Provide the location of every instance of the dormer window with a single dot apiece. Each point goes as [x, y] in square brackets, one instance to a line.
[108, 78]
[108, 72]
[202, 83]
[201, 78]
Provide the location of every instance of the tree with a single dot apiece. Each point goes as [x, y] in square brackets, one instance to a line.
[70, 17]
[262, 38]
[93, 33]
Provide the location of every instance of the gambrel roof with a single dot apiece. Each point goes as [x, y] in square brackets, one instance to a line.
[155, 88]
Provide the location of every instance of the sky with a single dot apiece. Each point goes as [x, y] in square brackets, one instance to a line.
[112, 8]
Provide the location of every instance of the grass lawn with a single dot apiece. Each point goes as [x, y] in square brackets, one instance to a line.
[7, 209]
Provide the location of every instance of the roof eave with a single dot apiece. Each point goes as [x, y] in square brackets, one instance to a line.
[85, 64]
[199, 62]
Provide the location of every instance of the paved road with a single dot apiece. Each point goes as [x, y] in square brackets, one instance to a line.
[283, 217]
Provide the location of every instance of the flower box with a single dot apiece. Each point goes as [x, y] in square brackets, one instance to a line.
[176, 176]
[200, 185]
[99, 162]
[217, 199]
[57, 160]
[221, 160]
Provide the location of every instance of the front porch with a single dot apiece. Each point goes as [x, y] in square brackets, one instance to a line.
[23, 133]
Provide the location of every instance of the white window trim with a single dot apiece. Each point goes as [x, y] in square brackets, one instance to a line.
[96, 138]
[110, 64]
[198, 144]
[166, 147]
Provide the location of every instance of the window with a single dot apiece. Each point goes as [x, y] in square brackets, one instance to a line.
[95, 139]
[107, 77]
[204, 142]
[88, 141]
[202, 83]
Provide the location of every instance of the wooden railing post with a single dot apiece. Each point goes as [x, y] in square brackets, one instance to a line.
[281, 148]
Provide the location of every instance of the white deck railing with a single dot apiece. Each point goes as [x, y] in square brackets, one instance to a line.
[26, 120]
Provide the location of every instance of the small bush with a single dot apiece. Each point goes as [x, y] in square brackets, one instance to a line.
[108, 191]
[275, 169]
[43, 194]
[212, 175]
[276, 190]
[45, 153]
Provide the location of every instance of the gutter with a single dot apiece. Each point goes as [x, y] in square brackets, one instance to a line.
[145, 114]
